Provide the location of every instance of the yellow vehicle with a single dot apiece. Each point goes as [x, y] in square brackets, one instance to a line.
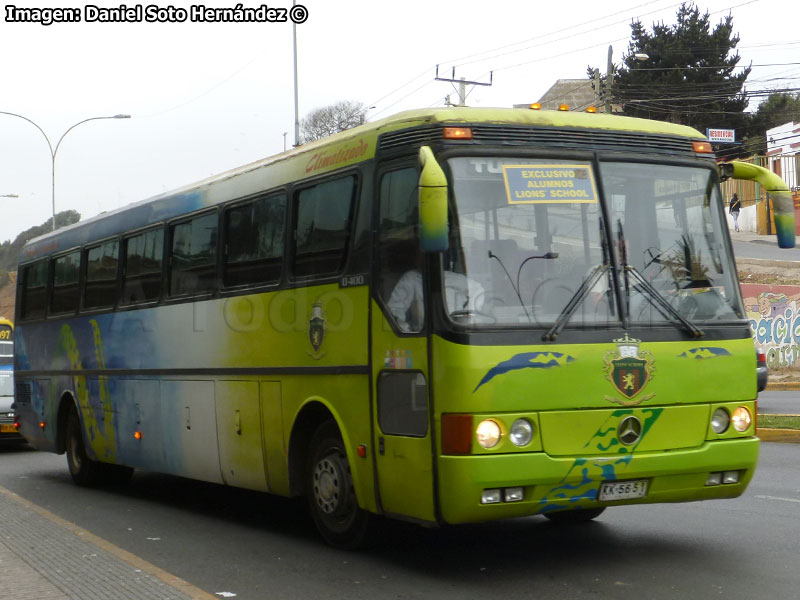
[8, 428]
[445, 316]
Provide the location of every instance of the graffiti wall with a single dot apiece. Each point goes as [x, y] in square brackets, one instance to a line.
[775, 321]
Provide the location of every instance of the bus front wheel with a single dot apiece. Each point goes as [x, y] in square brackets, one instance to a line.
[580, 515]
[84, 470]
[331, 496]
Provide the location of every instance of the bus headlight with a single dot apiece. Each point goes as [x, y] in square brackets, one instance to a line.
[741, 419]
[488, 433]
[521, 432]
[720, 421]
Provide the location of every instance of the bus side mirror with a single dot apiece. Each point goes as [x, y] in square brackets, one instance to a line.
[782, 202]
[432, 203]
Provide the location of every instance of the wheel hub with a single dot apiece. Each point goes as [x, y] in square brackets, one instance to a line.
[327, 485]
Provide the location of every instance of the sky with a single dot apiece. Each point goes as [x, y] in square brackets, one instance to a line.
[206, 97]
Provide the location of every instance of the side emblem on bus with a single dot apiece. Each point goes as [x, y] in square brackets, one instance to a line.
[316, 330]
[629, 369]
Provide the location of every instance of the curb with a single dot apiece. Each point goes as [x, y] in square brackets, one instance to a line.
[790, 436]
[783, 386]
[765, 262]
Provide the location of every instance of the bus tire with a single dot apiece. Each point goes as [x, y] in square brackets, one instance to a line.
[84, 471]
[581, 515]
[329, 489]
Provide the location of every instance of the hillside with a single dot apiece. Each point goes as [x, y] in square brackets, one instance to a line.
[7, 297]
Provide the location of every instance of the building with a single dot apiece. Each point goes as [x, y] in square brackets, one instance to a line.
[783, 153]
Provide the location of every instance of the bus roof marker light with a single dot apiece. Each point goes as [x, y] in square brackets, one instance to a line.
[702, 147]
[563, 107]
[137, 435]
[535, 106]
[591, 109]
[457, 133]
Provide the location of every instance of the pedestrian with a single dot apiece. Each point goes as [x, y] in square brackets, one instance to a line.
[734, 208]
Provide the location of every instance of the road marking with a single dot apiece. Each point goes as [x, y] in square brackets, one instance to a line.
[778, 498]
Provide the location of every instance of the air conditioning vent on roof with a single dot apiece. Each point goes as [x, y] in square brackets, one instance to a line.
[545, 137]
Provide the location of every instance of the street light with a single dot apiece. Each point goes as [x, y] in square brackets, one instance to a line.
[54, 151]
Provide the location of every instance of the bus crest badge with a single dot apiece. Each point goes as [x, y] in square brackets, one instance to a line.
[629, 369]
[316, 330]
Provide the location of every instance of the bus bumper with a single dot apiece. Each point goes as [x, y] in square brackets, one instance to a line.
[549, 484]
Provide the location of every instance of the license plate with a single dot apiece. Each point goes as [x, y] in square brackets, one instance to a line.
[622, 490]
[8, 429]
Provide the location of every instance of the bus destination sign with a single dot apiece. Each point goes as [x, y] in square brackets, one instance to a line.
[549, 184]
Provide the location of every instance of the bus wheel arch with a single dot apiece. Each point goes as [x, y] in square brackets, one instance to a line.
[83, 470]
[319, 469]
[310, 417]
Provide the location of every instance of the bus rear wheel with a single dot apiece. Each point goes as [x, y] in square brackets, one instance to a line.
[581, 515]
[331, 496]
[84, 470]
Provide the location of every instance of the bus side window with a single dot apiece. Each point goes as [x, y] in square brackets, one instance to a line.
[322, 226]
[254, 244]
[193, 258]
[399, 259]
[34, 290]
[142, 273]
[64, 295]
[101, 276]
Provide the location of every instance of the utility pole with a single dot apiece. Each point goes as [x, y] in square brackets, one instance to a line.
[597, 95]
[462, 84]
[609, 79]
[296, 112]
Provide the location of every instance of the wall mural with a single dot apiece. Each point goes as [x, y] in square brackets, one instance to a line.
[775, 321]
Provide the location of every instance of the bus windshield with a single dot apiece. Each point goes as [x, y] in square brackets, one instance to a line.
[531, 237]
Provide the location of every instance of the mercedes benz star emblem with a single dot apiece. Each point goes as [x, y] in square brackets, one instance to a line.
[629, 430]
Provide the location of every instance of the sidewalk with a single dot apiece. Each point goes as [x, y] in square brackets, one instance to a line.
[43, 557]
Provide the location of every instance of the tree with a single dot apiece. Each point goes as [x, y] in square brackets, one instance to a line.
[325, 121]
[689, 75]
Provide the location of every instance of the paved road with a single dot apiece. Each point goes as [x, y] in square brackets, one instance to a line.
[779, 403]
[228, 541]
[765, 247]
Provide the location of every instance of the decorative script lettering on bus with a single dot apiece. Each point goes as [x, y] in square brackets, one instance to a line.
[336, 157]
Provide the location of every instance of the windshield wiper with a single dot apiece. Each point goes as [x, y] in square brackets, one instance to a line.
[588, 283]
[652, 293]
[586, 286]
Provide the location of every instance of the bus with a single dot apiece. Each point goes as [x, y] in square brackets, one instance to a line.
[446, 316]
[8, 429]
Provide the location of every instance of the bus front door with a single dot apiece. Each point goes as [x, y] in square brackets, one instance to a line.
[401, 422]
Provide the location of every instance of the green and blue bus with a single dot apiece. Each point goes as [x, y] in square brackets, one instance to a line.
[445, 316]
